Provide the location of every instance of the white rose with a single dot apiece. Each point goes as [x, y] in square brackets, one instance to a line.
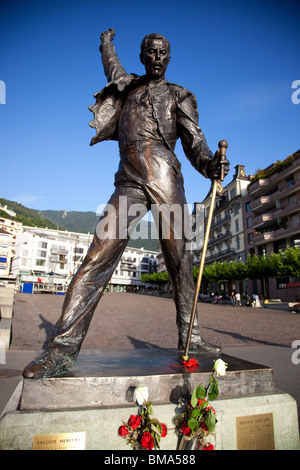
[141, 395]
[220, 367]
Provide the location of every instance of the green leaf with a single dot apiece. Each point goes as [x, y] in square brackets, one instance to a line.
[196, 412]
[193, 424]
[194, 399]
[149, 407]
[213, 390]
[201, 392]
[210, 420]
[155, 429]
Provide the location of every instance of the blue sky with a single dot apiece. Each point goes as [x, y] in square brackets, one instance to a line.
[239, 58]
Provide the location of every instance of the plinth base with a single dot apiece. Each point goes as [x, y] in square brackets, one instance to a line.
[18, 430]
[96, 397]
[108, 378]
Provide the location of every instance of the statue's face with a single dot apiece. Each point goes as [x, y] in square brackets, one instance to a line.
[156, 58]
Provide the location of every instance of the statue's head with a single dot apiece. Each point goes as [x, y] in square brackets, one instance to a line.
[155, 55]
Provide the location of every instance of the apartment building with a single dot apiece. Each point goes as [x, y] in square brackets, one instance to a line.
[47, 260]
[8, 230]
[271, 219]
[7, 242]
[10, 226]
[226, 241]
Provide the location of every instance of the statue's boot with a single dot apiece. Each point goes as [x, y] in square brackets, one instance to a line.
[197, 345]
[50, 363]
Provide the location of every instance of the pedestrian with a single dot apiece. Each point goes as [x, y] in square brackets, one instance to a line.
[256, 302]
[232, 298]
[238, 300]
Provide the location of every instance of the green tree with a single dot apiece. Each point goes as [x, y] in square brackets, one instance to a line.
[155, 278]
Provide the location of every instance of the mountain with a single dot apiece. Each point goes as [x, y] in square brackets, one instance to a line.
[85, 222]
[73, 221]
[29, 217]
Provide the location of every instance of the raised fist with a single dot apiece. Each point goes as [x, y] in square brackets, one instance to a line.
[107, 36]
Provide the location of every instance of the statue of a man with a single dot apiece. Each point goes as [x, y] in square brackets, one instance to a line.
[146, 115]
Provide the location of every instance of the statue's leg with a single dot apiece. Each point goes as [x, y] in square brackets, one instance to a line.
[87, 286]
[174, 232]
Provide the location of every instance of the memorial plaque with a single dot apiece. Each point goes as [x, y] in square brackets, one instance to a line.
[255, 432]
[64, 441]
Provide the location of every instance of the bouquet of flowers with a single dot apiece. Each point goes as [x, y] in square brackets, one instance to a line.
[143, 431]
[198, 421]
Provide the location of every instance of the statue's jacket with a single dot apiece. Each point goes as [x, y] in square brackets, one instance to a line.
[176, 111]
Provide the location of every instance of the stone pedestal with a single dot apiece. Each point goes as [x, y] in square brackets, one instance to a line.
[96, 396]
[108, 378]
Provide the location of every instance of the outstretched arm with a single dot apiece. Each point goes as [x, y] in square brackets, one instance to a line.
[112, 66]
[194, 143]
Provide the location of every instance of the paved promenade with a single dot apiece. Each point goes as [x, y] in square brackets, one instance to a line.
[125, 321]
[130, 321]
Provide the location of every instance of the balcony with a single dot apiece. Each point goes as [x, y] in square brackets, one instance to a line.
[274, 235]
[225, 220]
[59, 251]
[220, 238]
[263, 203]
[259, 187]
[263, 221]
[221, 254]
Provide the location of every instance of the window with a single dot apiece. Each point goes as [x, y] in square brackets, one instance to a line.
[249, 222]
[262, 250]
[232, 193]
[237, 225]
[238, 243]
[248, 206]
[40, 262]
[290, 181]
[42, 245]
[42, 253]
[293, 200]
[250, 237]
[295, 220]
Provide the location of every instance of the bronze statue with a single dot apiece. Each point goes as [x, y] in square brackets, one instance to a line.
[146, 114]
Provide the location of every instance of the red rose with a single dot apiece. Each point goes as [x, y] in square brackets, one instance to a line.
[210, 447]
[191, 364]
[212, 409]
[164, 430]
[204, 427]
[147, 441]
[185, 429]
[123, 430]
[134, 421]
[200, 401]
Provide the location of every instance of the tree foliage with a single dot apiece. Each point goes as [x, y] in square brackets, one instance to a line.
[284, 264]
